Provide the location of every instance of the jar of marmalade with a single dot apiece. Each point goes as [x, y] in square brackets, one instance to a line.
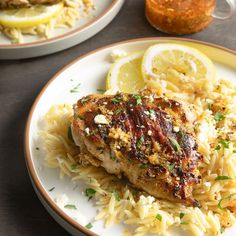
[184, 16]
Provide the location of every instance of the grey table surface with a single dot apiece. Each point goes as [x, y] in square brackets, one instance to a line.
[21, 213]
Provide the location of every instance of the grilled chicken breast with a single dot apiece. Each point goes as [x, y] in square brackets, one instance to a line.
[4, 4]
[143, 137]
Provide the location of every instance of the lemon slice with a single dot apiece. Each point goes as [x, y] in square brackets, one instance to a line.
[125, 74]
[28, 17]
[177, 67]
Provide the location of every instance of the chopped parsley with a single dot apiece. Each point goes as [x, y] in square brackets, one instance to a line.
[92, 133]
[138, 99]
[69, 133]
[89, 226]
[209, 106]
[143, 166]
[219, 116]
[75, 89]
[118, 111]
[224, 143]
[116, 195]
[101, 90]
[70, 206]
[175, 144]
[171, 167]
[51, 189]
[222, 177]
[218, 147]
[222, 229]
[224, 199]
[113, 157]
[116, 100]
[184, 223]
[90, 193]
[234, 151]
[74, 166]
[152, 113]
[158, 217]
[140, 142]
[181, 215]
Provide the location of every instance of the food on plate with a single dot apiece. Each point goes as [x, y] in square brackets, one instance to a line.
[143, 137]
[172, 140]
[5, 4]
[40, 17]
[180, 16]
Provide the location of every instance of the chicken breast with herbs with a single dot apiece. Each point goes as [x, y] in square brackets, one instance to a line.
[143, 137]
[4, 4]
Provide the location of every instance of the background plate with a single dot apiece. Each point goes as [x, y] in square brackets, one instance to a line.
[61, 39]
[57, 91]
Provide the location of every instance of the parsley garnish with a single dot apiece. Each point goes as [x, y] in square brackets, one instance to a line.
[218, 147]
[92, 133]
[171, 167]
[116, 100]
[209, 106]
[234, 151]
[219, 116]
[158, 217]
[138, 99]
[51, 189]
[101, 90]
[75, 89]
[143, 166]
[184, 223]
[118, 111]
[89, 226]
[116, 195]
[70, 206]
[74, 166]
[175, 144]
[225, 199]
[113, 157]
[90, 193]
[222, 177]
[140, 142]
[181, 215]
[69, 133]
[222, 229]
[224, 143]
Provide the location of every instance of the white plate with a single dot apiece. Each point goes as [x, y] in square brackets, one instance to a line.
[61, 39]
[57, 91]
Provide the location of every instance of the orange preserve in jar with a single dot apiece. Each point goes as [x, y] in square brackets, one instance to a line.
[180, 16]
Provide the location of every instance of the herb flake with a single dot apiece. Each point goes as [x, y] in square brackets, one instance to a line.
[143, 166]
[69, 134]
[224, 143]
[75, 89]
[89, 226]
[181, 215]
[51, 189]
[222, 177]
[116, 195]
[158, 217]
[70, 206]
[175, 144]
[116, 112]
[225, 199]
[138, 99]
[219, 116]
[116, 100]
[90, 193]
[100, 90]
[140, 142]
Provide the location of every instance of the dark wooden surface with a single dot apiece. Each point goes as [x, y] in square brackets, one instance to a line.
[21, 213]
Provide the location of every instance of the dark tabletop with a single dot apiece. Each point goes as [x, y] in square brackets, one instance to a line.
[21, 213]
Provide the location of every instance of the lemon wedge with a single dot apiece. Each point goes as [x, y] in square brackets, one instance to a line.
[125, 74]
[177, 67]
[28, 17]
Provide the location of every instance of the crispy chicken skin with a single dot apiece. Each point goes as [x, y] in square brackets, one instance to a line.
[4, 4]
[143, 137]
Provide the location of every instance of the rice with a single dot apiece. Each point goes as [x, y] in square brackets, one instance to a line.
[119, 202]
[70, 13]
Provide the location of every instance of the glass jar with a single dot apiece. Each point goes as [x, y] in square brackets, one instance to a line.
[183, 16]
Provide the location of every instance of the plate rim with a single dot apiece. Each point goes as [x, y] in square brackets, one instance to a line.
[112, 6]
[28, 158]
